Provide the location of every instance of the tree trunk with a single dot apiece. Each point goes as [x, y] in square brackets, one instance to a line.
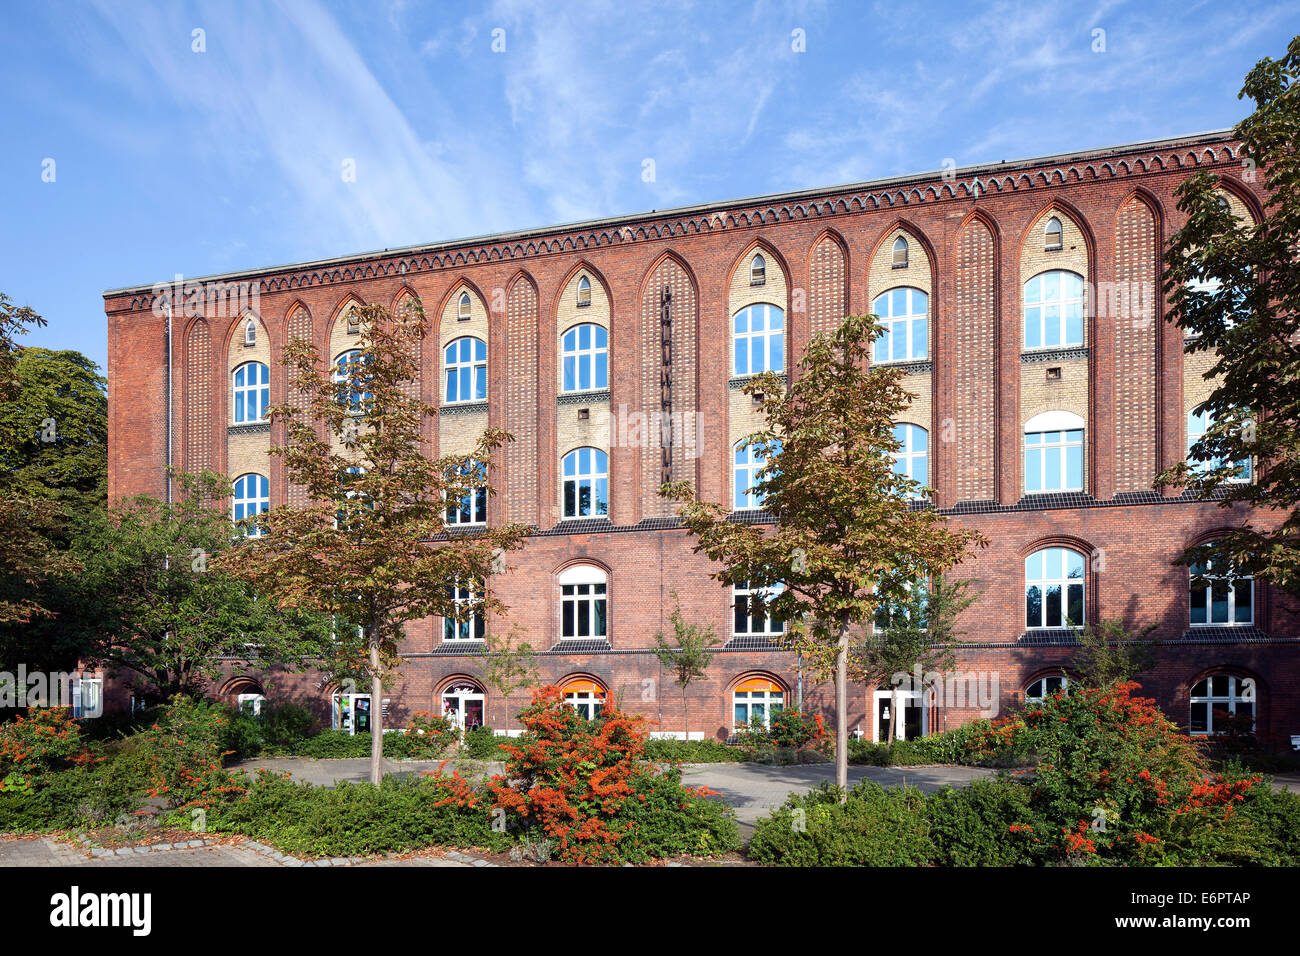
[376, 715]
[686, 713]
[842, 713]
[893, 715]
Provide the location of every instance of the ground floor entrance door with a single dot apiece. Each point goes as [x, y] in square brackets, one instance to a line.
[910, 721]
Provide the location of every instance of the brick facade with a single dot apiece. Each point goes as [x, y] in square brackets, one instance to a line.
[974, 240]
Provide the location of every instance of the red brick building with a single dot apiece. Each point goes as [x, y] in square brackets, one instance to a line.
[1023, 300]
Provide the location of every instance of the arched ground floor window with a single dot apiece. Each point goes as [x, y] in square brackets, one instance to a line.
[754, 701]
[584, 695]
[464, 704]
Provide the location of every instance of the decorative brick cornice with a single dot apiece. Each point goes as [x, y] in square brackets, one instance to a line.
[593, 397]
[256, 428]
[1053, 355]
[464, 408]
[963, 184]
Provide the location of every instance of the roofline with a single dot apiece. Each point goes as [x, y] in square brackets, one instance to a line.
[1217, 135]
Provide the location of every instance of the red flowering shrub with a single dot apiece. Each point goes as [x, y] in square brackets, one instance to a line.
[1121, 782]
[42, 743]
[588, 787]
[180, 756]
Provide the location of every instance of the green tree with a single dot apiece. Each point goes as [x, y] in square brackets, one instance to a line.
[847, 536]
[30, 559]
[152, 600]
[1235, 291]
[372, 548]
[1109, 654]
[509, 664]
[686, 654]
[915, 632]
[57, 428]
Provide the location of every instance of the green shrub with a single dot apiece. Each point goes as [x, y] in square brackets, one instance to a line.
[1275, 816]
[287, 724]
[481, 743]
[874, 827]
[665, 750]
[401, 815]
[657, 822]
[988, 823]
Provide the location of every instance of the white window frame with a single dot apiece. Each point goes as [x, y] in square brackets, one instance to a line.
[595, 481]
[1062, 302]
[473, 627]
[770, 701]
[1240, 691]
[470, 373]
[1064, 582]
[584, 359]
[770, 339]
[455, 700]
[464, 307]
[584, 585]
[771, 627]
[907, 457]
[78, 688]
[1199, 421]
[744, 477]
[1208, 590]
[758, 270]
[250, 332]
[256, 396]
[912, 326]
[584, 292]
[343, 364]
[471, 508]
[1041, 682]
[1051, 244]
[258, 702]
[905, 248]
[588, 703]
[1059, 424]
[896, 696]
[244, 505]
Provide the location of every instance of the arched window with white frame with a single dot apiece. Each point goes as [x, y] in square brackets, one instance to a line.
[464, 307]
[1220, 599]
[252, 392]
[757, 270]
[250, 332]
[758, 339]
[1054, 310]
[584, 292]
[1223, 703]
[898, 255]
[1054, 598]
[585, 358]
[465, 367]
[583, 603]
[1053, 453]
[585, 696]
[754, 702]
[912, 458]
[350, 378]
[903, 313]
[586, 483]
[1045, 687]
[252, 496]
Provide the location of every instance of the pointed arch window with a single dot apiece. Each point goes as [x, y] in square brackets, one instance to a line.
[250, 332]
[758, 340]
[899, 260]
[1052, 235]
[464, 307]
[757, 270]
[584, 292]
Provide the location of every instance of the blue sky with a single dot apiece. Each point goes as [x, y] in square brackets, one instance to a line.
[168, 160]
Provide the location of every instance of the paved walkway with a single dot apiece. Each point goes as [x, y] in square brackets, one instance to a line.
[752, 789]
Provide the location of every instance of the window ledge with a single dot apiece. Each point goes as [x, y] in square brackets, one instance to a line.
[463, 408]
[737, 382]
[909, 366]
[1052, 354]
[583, 397]
[580, 645]
[250, 428]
